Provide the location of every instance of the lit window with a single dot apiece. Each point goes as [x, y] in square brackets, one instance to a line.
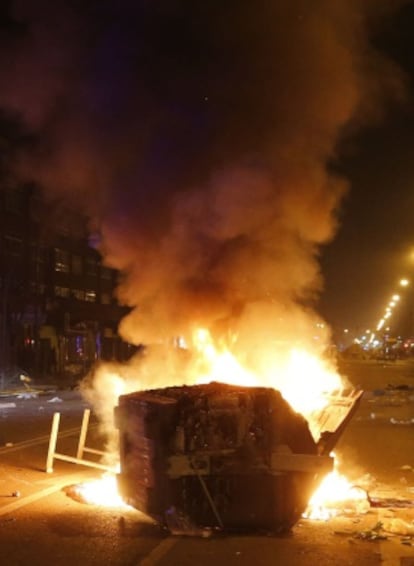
[61, 260]
[78, 294]
[61, 291]
[90, 296]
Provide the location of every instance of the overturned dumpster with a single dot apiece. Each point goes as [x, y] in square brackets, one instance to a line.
[226, 456]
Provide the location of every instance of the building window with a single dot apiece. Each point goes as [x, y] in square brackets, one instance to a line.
[91, 266]
[13, 246]
[37, 288]
[78, 294]
[77, 265]
[106, 273]
[37, 260]
[61, 260]
[13, 200]
[90, 296]
[61, 291]
[105, 298]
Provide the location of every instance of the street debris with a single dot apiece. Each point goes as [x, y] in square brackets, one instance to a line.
[28, 395]
[371, 535]
[398, 526]
[7, 405]
[386, 503]
[180, 525]
[401, 421]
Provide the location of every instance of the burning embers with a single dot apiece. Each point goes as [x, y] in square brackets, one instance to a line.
[102, 492]
[224, 456]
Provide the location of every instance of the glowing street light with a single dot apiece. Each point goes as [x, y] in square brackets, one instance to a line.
[404, 282]
[396, 298]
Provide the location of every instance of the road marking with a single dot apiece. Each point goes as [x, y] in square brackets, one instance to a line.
[158, 552]
[58, 485]
[40, 440]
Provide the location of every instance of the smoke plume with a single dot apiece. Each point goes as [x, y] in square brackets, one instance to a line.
[200, 138]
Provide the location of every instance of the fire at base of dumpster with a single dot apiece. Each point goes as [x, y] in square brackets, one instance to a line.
[220, 455]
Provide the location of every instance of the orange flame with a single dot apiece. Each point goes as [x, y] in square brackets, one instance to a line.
[336, 495]
[304, 380]
[102, 491]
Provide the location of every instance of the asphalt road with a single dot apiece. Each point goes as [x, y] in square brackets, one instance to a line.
[40, 524]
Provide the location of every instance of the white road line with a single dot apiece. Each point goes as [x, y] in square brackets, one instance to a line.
[22, 502]
[40, 440]
[158, 552]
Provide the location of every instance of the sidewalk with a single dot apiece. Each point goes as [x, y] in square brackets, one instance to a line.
[22, 384]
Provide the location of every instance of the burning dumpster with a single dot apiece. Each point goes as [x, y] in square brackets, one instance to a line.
[222, 455]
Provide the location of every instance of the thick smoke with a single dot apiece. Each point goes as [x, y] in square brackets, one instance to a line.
[200, 138]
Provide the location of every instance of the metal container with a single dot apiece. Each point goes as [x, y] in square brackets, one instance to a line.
[217, 455]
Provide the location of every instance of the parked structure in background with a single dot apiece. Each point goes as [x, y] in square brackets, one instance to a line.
[58, 314]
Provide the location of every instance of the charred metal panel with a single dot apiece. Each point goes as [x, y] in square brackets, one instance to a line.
[228, 456]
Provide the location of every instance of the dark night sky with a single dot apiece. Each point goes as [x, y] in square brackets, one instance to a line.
[371, 251]
[196, 135]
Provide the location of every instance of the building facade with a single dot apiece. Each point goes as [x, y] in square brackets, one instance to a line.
[58, 313]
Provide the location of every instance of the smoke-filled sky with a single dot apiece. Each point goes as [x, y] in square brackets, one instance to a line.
[374, 246]
[211, 145]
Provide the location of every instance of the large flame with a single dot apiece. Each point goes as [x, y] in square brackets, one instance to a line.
[336, 495]
[304, 379]
[102, 491]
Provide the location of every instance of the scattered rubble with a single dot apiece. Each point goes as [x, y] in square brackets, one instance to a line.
[7, 405]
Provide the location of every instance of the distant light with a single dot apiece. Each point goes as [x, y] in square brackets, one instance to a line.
[392, 304]
[380, 324]
[346, 331]
[404, 282]
[387, 315]
[395, 297]
[367, 331]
